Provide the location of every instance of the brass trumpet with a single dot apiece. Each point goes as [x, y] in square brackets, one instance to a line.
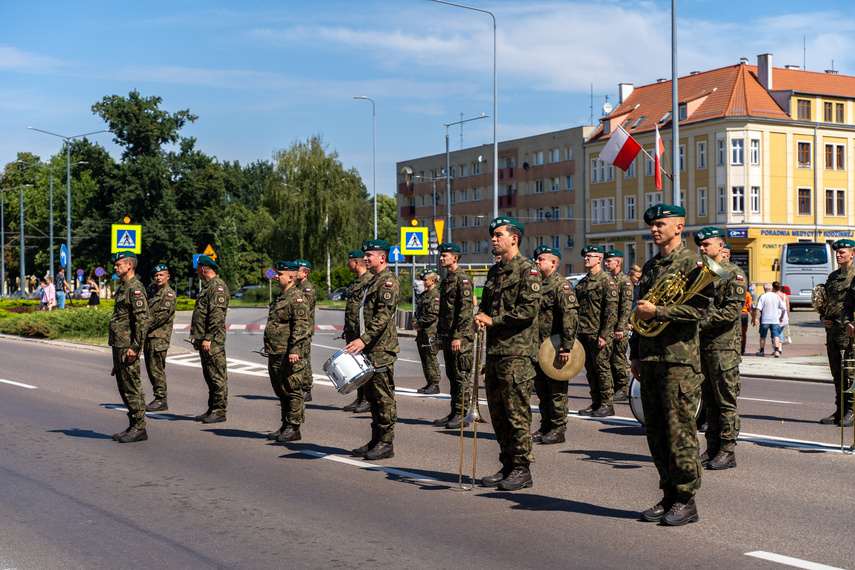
[847, 386]
[474, 414]
[671, 290]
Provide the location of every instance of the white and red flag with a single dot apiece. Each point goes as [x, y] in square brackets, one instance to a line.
[658, 150]
[621, 149]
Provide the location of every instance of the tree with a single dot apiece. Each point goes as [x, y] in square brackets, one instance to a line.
[387, 219]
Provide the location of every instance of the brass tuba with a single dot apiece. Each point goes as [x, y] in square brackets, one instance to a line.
[819, 299]
[671, 290]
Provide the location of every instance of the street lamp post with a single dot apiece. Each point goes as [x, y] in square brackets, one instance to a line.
[495, 106]
[3, 236]
[448, 174]
[374, 142]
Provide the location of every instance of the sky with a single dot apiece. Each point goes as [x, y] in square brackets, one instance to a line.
[263, 74]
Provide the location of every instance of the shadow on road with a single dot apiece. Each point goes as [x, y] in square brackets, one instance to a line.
[777, 419]
[529, 502]
[88, 433]
[612, 458]
[246, 434]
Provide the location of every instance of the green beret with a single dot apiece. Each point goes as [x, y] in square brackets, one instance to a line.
[708, 232]
[376, 245]
[355, 254]
[159, 267]
[727, 246]
[658, 211]
[592, 249]
[613, 253]
[205, 260]
[303, 263]
[427, 271]
[449, 247]
[286, 266]
[504, 221]
[541, 249]
[123, 255]
[841, 243]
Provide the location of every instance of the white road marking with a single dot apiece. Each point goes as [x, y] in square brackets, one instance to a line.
[789, 561]
[368, 466]
[770, 401]
[18, 384]
[148, 414]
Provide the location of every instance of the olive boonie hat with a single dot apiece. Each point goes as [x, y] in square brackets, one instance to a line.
[613, 253]
[505, 221]
[658, 211]
[708, 232]
[159, 267]
[448, 247]
[841, 243]
[541, 249]
[376, 245]
[205, 260]
[593, 249]
[355, 254]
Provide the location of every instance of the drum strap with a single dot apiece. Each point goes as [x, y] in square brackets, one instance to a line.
[362, 314]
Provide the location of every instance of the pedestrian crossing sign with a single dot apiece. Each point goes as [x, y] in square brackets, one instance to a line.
[414, 241]
[126, 237]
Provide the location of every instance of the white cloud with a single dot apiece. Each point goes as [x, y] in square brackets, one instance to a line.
[14, 59]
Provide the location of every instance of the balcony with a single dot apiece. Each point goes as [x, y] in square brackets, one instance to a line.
[506, 173]
[508, 201]
[408, 211]
[405, 187]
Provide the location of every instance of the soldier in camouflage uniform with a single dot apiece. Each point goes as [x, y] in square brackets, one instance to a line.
[558, 314]
[286, 333]
[508, 310]
[128, 327]
[161, 310]
[208, 335]
[668, 366]
[721, 354]
[379, 342]
[619, 362]
[837, 318]
[310, 297]
[597, 294]
[427, 313]
[457, 332]
[355, 293]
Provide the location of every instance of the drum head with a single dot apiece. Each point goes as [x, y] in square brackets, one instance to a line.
[635, 401]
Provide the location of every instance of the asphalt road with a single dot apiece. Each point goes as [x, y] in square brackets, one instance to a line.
[223, 496]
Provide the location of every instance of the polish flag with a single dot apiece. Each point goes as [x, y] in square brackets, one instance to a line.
[620, 150]
[658, 150]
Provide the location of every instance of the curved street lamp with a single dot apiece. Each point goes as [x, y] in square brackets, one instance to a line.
[374, 139]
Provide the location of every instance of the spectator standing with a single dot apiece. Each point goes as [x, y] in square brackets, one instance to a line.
[94, 294]
[62, 289]
[776, 287]
[771, 310]
[48, 294]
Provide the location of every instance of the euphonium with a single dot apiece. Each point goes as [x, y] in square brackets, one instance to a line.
[819, 299]
[671, 290]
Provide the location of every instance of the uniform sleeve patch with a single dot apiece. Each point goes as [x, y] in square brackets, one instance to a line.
[740, 290]
[170, 295]
[386, 296]
[740, 277]
[388, 283]
[220, 289]
[566, 287]
[628, 284]
[700, 263]
[308, 290]
[137, 292]
[611, 282]
[534, 271]
[299, 300]
[466, 292]
[535, 287]
[466, 281]
[614, 293]
[436, 299]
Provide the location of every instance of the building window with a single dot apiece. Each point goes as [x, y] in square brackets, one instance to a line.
[464, 170]
[722, 200]
[702, 202]
[651, 250]
[453, 222]
[805, 208]
[603, 211]
[568, 153]
[464, 221]
[464, 247]
[629, 208]
[556, 242]
[476, 220]
[737, 201]
[629, 254]
[835, 202]
[826, 112]
[538, 158]
[804, 109]
[648, 165]
[630, 172]
[652, 198]
[477, 248]
[556, 213]
[755, 151]
[538, 186]
[569, 212]
[840, 117]
[453, 171]
[538, 216]
[556, 185]
[835, 157]
[755, 199]
[804, 154]
[594, 171]
[682, 198]
[682, 112]
[424, 201]
[681, 157]
[538, 241]
[570, 182]
[737, 151]
[554, 155]
[476, 168]
[722, 155]
[477, 195]
[702, 155]
[464, 195]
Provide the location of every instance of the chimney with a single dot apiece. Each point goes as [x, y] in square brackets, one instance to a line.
[625, 90]
[793, 67]
[764, 70]
[743, 61]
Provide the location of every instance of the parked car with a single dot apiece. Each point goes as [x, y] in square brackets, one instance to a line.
[82, 293]
[241, 291]
[339, 294]
[574, 278]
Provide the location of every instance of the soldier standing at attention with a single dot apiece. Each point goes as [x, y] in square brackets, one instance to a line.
[310, 297]
[457, 333]
[208, 335]
[508, 310]
[598, 307]
[836, 317]
[668, 367]
[619, 362]
[355, 293]
[161, 310]
[558, 314]
[286, 332]
[425, 325]
[721, 354]
[379, 342]
[128, 327]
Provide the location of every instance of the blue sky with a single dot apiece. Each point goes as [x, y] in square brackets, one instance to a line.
[261, 74]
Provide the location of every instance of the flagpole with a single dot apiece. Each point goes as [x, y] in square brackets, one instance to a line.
[668, 174]
[675, 107]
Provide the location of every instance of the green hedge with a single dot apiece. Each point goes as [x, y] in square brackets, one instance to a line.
[72, 324]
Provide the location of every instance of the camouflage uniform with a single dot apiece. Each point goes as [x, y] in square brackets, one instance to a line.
[511, 298]
[128, 326]
[427, 308]
[355, 293]
[310, 296]
[598, 308]
[619, 364]
[455, 323]
[671, 379]
[287, 332]
[209, 323]
[839, 295]
[381, 348]
[558, 314]
[721, 354]
[161, 310]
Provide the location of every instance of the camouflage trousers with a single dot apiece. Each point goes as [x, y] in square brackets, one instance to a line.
[430, 365]
[720, 388]
[508, 382]
[217, 379]
[306, 373]
[598, 369]
[620, 365]
[287, 383]
[834, 344]
[553, 401]
[130, 387]
[155, 367]
[380, 393]
[458, 368]
[669, 398]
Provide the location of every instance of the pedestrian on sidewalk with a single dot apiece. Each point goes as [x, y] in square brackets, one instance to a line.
[776, 287]
[771, 311]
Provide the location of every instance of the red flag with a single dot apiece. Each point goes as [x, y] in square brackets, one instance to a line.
[658, 149]
[620, 150]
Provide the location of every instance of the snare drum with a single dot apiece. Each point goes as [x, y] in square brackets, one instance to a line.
[348, 372]
[635, 401]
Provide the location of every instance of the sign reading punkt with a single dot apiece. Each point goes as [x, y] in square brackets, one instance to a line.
[126, 237]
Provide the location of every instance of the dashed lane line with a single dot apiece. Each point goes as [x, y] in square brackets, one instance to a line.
[18, 384]
[789, 560]
[362, 465]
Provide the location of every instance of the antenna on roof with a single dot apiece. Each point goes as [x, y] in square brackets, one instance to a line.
[804, 53]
